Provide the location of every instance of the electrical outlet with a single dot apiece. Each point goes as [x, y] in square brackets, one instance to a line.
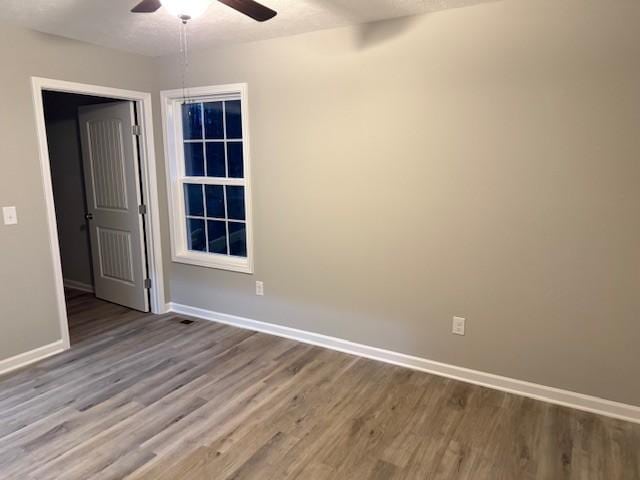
[10, 215]
[458, 326]
[259, 288]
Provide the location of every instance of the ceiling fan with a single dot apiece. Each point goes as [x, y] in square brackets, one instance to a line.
[188, 9]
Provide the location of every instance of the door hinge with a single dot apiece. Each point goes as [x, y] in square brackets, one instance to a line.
[142, 209]
[136, 130]
[147, 283]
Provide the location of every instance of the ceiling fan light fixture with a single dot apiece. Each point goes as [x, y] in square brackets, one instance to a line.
[186, 9]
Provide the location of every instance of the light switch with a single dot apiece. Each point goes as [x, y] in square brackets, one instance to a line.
[458, 326]
[10, 215]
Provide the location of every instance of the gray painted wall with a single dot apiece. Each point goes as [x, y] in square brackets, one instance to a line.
[481, 162]
[28, 317]
[63, 139]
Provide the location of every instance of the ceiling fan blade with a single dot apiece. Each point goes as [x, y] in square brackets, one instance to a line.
[252, 9]
[147, 6]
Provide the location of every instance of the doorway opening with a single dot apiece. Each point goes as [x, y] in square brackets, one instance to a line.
[97, 159]
[95, 175]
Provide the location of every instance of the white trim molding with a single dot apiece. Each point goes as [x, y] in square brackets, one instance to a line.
[149, 186]
[543, 393]
[74, 285]
[27, 358]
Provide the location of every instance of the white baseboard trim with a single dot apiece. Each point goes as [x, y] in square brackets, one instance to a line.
[26, 358]
[84, 287]
[543, 393]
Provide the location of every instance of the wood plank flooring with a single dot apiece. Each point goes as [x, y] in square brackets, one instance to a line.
[146, 397]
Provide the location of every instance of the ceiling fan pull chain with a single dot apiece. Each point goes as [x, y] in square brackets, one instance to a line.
[186, 52]
[184, 49]
[181, 59]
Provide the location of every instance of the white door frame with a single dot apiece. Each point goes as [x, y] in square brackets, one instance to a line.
[149, 186]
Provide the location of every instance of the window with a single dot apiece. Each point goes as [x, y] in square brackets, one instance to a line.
[207, 149]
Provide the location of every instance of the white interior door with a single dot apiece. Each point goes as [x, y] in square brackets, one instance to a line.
[110, 156]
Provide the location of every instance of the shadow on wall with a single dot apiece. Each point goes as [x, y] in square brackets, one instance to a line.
[372, 33]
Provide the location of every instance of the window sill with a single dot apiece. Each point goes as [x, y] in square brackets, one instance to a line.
[220, 262]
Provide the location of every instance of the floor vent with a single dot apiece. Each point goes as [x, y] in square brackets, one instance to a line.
[187, 322]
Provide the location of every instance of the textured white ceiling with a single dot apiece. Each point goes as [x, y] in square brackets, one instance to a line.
[109, 22]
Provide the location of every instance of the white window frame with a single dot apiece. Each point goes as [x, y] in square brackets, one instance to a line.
[174, 155]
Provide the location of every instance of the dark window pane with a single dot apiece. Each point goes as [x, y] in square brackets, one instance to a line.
[237, 239]
[193, 202]
[217, 237]
[192, 121]
[234, 157]
[215, 200]
[213, 126]
[196, 239]
[215, 159]
[235, 202]
[234, 119]
[194, 159]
